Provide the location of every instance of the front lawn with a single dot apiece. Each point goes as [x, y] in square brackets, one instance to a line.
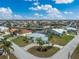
[72, 33]
[21, 41]
[8, 36]
[63, 40]
[75, 55]
[43, 54]
[5, 57]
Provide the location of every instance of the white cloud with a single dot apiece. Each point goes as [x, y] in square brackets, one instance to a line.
[53, 11]
[18, 17]
[6, 11]
[63, 1]
[35, 8]
[68, 12]
[36, 3]
[47, 8]
[38, 15]
[50, 11]
[42, 7]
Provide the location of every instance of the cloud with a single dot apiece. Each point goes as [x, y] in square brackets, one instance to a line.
[50, 11]
[38, 15]
[63, 1]
[35, 8]
[16, 16]
[36, 3]
[68, 12]
[42, 7]
[6, 11]
[53, 11]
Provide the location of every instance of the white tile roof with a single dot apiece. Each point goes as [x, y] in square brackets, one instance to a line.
[59, 30]
[70, 28]
[38, 35]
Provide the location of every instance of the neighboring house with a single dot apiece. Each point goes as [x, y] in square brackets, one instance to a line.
[58, 31]
[3, 29]
[13, 30]
[71, 29]
[24, 32]
[34, 36]
[21, 31]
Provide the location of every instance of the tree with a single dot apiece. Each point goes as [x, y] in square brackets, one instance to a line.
[41, 43]
[29, 26]
[9, 26]
[49, 36]
[25, 39]
[7, 46]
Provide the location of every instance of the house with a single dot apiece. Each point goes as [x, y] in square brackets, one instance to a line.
[24, 32]
[58, 31]
[20, 31]
[71, 29]
[3, 29]
[13, 30]
[34, 36]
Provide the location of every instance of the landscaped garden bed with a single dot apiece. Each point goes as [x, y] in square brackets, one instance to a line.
[44, 53]
[75, 55]
[21, 41]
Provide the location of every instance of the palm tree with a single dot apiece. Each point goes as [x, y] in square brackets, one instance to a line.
[29, 26]
[49, 37]
[40, 42]
[9, 26]
[7, 46]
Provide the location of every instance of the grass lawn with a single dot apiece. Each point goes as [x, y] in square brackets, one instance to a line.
[75, 55]
[20, 41]
[5, 57]
[48, 53]
[72, 33]
[63, 40]
[7, 36]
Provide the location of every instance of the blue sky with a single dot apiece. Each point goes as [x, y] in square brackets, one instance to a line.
[39, 9]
